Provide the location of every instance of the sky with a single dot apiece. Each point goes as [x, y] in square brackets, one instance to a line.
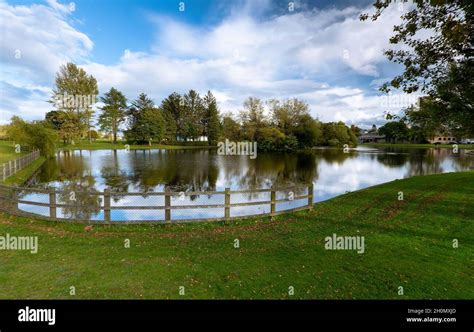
[317, 51]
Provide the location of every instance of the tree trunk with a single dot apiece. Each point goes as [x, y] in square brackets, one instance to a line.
[89, 129]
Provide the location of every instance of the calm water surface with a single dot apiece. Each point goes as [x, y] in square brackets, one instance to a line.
[332, 171]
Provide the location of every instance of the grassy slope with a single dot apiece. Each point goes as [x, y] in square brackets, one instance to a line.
[23, 175]
[7, 151]
[408, 243]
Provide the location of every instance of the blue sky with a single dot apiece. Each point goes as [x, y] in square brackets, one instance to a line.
[319, 52]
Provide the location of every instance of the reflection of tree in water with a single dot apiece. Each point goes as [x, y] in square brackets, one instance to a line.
[391, 160]
[180, 170]
[80, 193]
[66, 165]
[199, 170]
[426, 162]
[49, 171]
[73, 175]
[334, 156]
[464, 162]
[267, 170]
[115, 178]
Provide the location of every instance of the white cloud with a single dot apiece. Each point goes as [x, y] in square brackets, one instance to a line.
[299, 54]
[43, 38]
[35, 41]
[291, 55]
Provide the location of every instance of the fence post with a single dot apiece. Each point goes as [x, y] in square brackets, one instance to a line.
[167, 204]
[52, 204]
[106, 205]
[273, 204]
[227, 203]
[10, 168]
[15, 199]
[4, 172]
[310, 196]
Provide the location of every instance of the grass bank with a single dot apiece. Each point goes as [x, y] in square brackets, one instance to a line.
[7, 151]
[408, 243]
[409, 145]
[101, 145]
[23, 175]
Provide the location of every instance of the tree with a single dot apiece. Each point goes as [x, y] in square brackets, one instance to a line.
[192, 124]
[287, 115]
[455, 96]
[113, 112]
[271, 139]
[338, 134]
[55, 119]
[173, 116]
[439, 60]
[292, 118]
[170, 127]
[145, 121]
[74, 93]
[307, 131]
[230, 129]
[252, 118]
[394, 131]
[94, 135]
[449, 41]
[211, 123]
[426, 120]
[35, 134]
[356, 130]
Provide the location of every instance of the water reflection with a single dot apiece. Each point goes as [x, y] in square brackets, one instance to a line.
[332, 171]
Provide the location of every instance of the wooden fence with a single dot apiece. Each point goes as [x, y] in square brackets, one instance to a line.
[11, 167]
[11, 201]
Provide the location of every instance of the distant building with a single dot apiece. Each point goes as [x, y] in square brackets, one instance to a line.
[439, 139]
[198, 139]
[371, 138]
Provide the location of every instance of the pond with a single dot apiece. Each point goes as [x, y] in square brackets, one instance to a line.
[332, 171]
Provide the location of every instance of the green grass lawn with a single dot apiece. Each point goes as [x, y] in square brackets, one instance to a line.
[23, 175]
[409, 243]
[410, 145]
[7, 151]
[104, 144]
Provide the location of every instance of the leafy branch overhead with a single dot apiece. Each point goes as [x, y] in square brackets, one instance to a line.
[434, 44]
[438, 33]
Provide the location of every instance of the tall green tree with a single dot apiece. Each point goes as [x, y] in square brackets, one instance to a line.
[74, 93]
[252, 118]
[113, 112]
[231, 129]
[36, 134]
[307, 131]
[211, 122]
[145, 121]
[192, 124]
[394, 131]
[173, 109]
[338, 134]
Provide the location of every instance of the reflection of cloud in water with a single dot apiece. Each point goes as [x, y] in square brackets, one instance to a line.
[331, 171]
[353, 174]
